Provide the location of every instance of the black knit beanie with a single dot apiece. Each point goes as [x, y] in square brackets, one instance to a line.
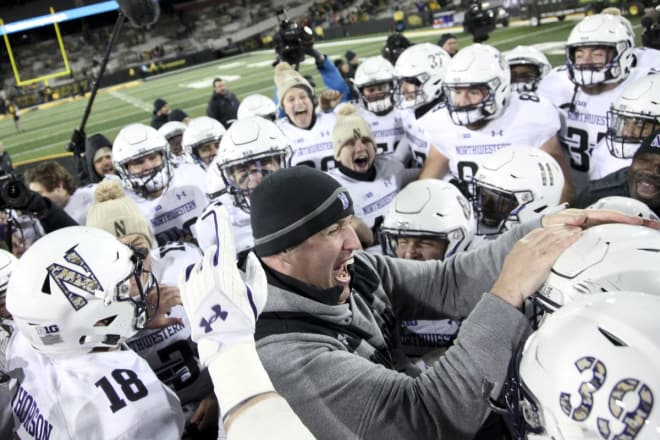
[650, 144]
[293, 204]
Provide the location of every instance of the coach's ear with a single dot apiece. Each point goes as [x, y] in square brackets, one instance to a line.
[140, 12]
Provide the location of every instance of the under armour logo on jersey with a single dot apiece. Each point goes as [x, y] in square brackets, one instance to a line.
[655, 143]
[497, 133]
[343, 198]
[207, 324]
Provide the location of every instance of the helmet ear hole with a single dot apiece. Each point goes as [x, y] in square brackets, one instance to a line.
[105, 322]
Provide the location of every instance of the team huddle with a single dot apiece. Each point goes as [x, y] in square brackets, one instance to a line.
[470, 249]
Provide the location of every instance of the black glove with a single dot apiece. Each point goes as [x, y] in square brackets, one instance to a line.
[77, 142]
[318, 56]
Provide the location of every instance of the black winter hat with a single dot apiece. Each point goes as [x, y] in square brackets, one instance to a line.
[158, 104]
[293, 204]
[650, 144]
[177, 115]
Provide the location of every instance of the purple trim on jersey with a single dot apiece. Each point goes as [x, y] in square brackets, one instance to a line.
[252, 304]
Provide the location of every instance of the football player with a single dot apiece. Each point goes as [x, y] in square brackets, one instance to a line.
[600, 64]
[75, 296]
[170, 198]
[631, 118]
[257, 105]
[428, 220]
[418, 93]
[589, 371]
[308, 130]
[252, 148]
[172, 131]
[483, 116]
[168, 348]
[374, 81]
[513, 186]
[528, 66]
[201, 139]
[372, 180]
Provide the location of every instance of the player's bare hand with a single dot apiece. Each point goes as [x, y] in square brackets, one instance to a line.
[586, 218]
[330, 99]
[205, 416]
[528, 264]
[169, 297]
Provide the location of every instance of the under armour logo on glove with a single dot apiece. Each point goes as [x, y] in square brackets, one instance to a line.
[217, 313]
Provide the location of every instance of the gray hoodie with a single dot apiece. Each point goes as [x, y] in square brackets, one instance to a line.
[341, 390]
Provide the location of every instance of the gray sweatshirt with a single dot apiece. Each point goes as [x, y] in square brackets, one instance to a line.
[341, 393]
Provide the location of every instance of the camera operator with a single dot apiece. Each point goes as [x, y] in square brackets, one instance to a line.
[478, 21]
[28, 215]
[651, 24]
[293, 42]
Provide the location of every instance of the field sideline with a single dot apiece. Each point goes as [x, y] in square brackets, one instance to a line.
[48, 128]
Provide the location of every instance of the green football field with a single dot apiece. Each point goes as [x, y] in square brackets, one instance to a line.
[47, 129]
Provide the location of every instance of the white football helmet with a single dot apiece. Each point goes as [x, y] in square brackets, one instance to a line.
[171, 129]
[201, 130]
[78, 288]
[430, 208]
[627, 205]
[257, 105]
[514, 185]
[376, 71]
[424, 65]
[527, 55]
[133, 142]
[633, 116]
[249, 148]
[600, 30]
[477, 66]
[604, 259]
[590, 372]
[7, 265]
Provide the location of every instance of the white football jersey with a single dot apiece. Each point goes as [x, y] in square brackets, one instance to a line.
[79, 203]
[527, 120]
[648, 59]
[583, 126]
[183, 158]
[205, 228]
[414, 135]
[387, 130]
[173, 213]
[371, 199]
[311, 147]
[604, 163]
[98, 395]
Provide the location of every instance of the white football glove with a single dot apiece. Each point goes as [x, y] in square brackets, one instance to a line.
[222, 308]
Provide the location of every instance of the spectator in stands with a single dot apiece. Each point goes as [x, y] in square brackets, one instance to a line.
[6, 166]
[399, 19]
[449, 43]
[641, 180]
[98, 154]
[160, 114]
[223, 105]
[178, 115]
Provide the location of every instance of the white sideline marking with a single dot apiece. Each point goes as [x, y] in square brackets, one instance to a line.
[205, 83]
[230, 65]
[135, 102]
